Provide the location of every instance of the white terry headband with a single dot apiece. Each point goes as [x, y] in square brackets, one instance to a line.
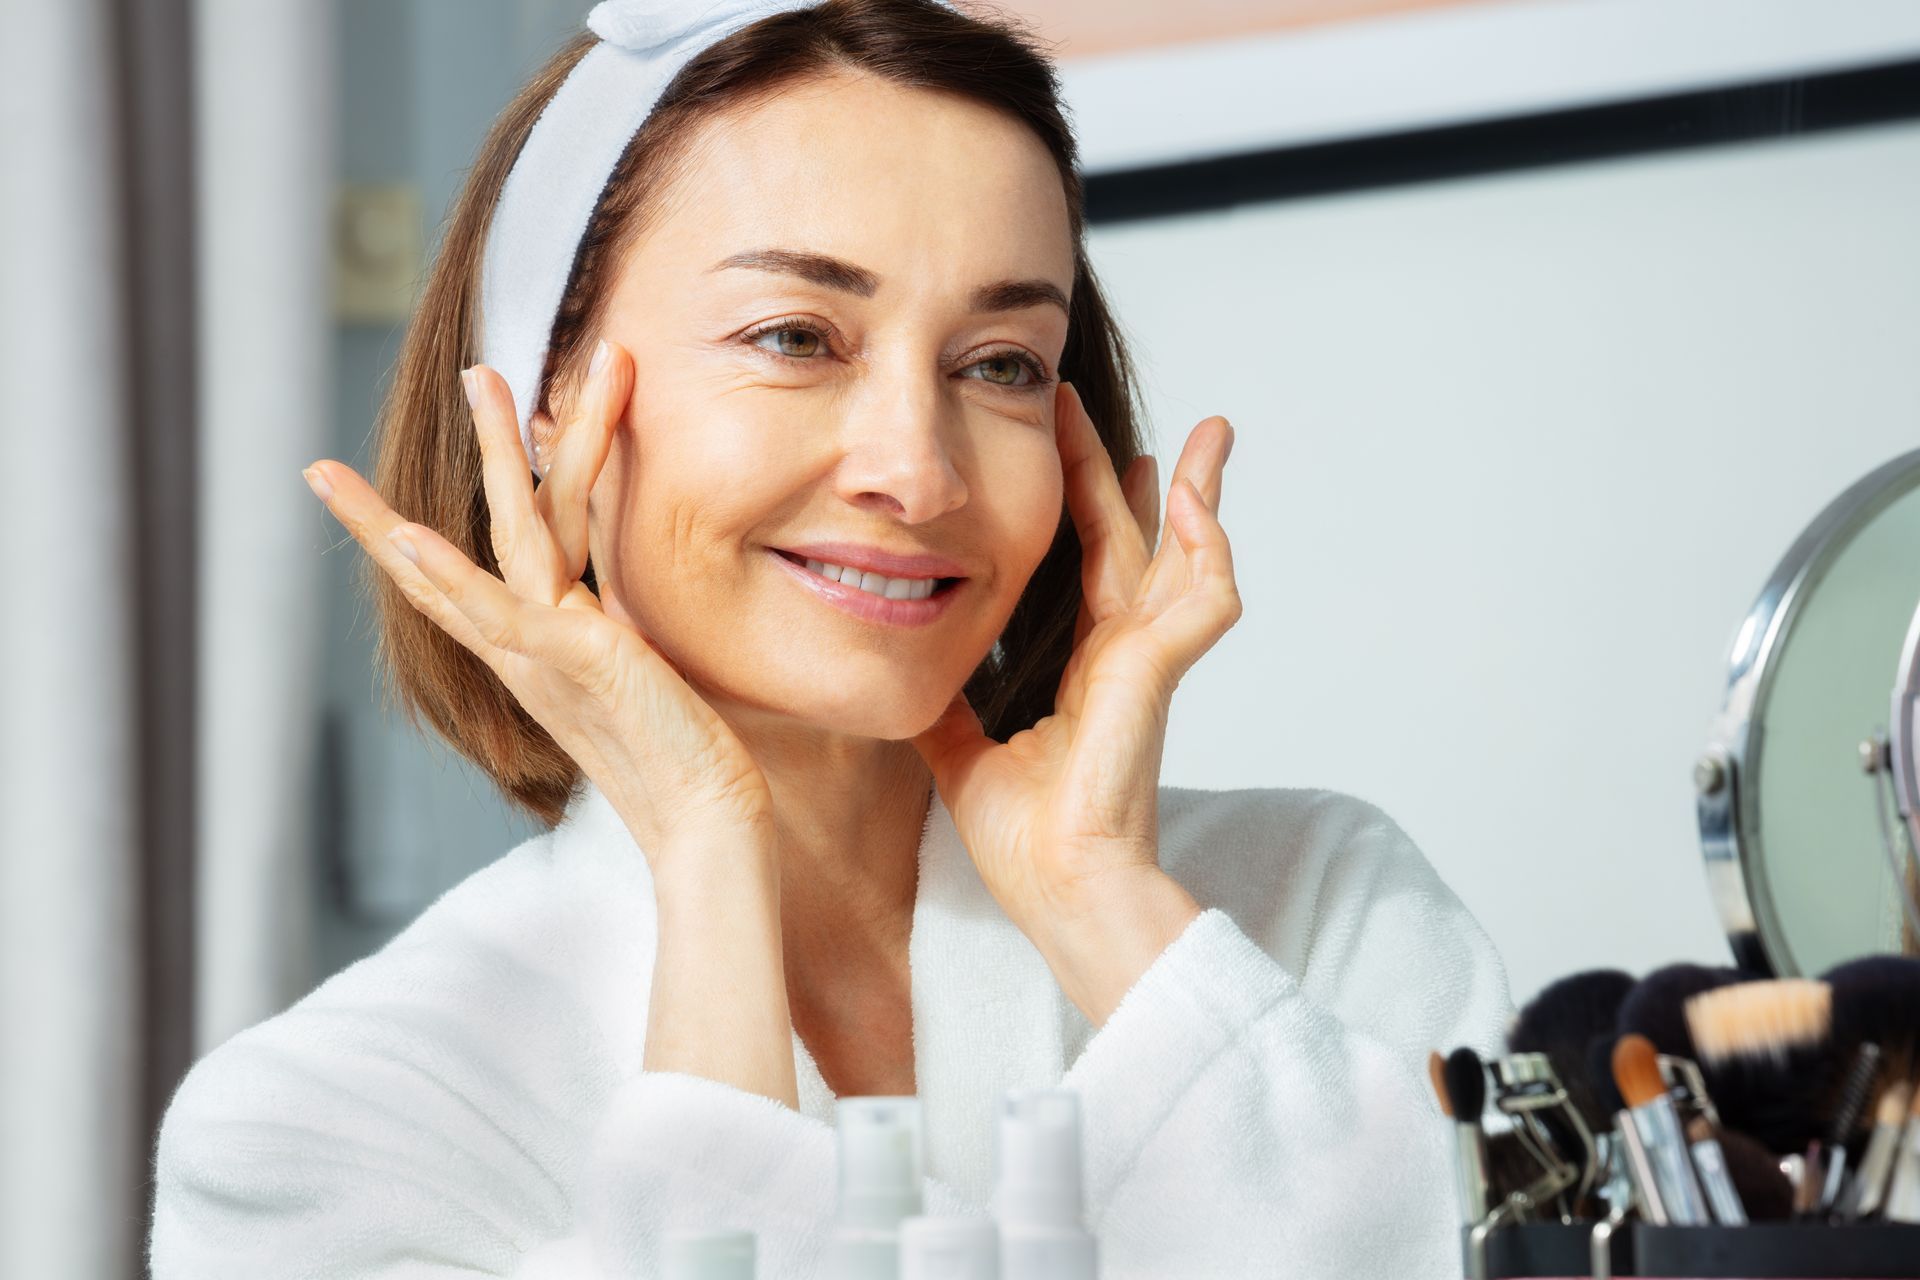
[555, 183]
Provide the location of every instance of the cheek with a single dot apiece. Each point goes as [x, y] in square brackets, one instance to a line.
[1024, 490]
[678, 528]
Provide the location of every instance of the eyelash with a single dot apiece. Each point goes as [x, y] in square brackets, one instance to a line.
[1026, 361]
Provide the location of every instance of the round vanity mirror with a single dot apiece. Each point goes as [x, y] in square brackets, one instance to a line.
[1792, 788]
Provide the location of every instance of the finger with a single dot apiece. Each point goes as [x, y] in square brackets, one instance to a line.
[369, 519]
[581, 452]
[1204, 458]
[1142, 486]
[521, 545]
[504, 619]
[1195, 620]
[1112, 553]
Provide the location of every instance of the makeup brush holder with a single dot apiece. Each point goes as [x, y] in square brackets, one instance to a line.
[1779, 1250]
[1758, 1251]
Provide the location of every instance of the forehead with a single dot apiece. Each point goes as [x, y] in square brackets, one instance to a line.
[892, 177]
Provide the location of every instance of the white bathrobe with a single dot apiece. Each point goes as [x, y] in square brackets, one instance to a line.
[470, 1100]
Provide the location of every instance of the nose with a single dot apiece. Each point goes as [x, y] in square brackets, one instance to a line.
[898, 443]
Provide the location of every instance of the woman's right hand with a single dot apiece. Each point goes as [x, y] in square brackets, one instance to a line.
[669, 764]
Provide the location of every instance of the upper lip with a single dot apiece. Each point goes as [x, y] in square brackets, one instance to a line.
[888, 564]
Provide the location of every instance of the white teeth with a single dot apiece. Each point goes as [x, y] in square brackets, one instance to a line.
[873, 583]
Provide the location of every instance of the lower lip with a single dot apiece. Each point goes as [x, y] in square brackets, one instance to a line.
[864, 604]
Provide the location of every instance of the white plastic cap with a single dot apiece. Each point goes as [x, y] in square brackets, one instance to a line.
[949, 1249]
[707, 1255]
[881, 1161]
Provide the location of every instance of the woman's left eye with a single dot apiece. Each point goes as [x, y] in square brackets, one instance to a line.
[1006, 364]
[1014, 363]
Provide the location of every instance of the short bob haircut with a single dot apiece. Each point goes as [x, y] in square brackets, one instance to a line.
[427, 456]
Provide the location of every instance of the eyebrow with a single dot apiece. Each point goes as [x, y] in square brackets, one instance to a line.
[843, 276]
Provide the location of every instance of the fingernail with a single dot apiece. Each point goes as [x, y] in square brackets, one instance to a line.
[470, 384]
[403, 544]
[599, 360]
[318, 483]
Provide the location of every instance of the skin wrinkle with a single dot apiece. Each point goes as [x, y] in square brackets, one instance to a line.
[886, 434]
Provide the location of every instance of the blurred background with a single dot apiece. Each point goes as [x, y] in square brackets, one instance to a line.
[1545, 326]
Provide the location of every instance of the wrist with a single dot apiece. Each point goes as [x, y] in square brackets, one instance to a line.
[1099, 946]
[715, 869]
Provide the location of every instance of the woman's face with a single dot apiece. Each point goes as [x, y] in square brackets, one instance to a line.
[882, 400]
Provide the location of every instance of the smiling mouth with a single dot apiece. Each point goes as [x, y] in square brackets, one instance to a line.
[940, 585]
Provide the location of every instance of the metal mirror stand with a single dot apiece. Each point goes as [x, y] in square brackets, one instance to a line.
[1727, 805]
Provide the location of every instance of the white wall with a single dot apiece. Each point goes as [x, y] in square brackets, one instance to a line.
[1514, 455]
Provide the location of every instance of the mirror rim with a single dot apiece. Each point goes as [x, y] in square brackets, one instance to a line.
[1727, 807]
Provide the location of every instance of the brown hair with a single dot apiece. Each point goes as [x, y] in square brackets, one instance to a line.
[427, 459]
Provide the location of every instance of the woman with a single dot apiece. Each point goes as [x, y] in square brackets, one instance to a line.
[828, 628]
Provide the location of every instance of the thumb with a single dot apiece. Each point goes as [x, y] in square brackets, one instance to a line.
[951, 744]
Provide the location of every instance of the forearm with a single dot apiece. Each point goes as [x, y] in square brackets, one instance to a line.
[719, 1003]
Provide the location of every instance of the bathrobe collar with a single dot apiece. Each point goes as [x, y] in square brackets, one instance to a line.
[988, 1014]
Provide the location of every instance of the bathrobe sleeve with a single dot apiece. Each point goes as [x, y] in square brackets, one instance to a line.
[383, 1130]
[423, 1113]
[454, 1107]
[1248, 1117]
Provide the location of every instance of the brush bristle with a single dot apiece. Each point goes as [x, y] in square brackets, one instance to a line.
[1655, 1007]
[1606, 1095]
[1636, 1070]
[1850, 1103]
[1767, 1019]
[1765, 1192]
[1511, 1165]
[1891, 1109]
[1466, 1081]
[1876, 999]
[1768, 1059]
[1437, 1072]
[1563, 1021]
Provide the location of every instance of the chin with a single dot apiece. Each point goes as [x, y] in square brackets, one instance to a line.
[888, 710]
[895, 722]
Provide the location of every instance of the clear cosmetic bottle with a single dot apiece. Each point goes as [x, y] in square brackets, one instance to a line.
[707, 1255]
[882, 1164]
[1036, 1195]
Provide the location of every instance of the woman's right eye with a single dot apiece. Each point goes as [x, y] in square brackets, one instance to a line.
[793, 341]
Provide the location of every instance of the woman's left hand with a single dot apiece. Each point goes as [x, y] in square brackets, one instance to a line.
[1062, 820]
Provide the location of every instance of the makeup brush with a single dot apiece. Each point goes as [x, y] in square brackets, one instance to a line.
[1563, 1021]
[1765, 1192]
[1716, 1179]
[1865, 1194]
[1509, 1163]
[1903, 1183]
[1764, 1049]
[1599, 1077]
[1656, 1006]
[1651, 1114]
[1464, 1082]
[1843, 1118]
[1876, 1000]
